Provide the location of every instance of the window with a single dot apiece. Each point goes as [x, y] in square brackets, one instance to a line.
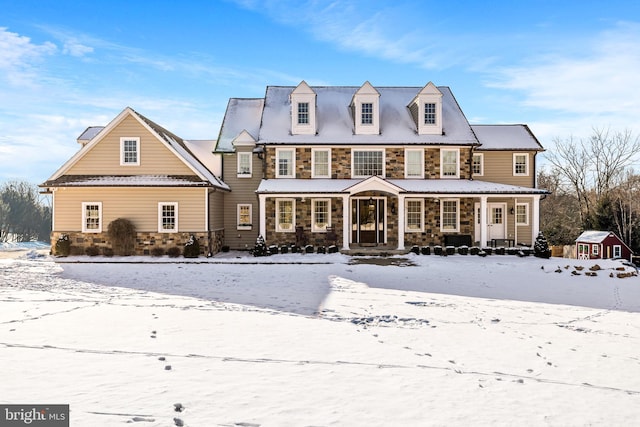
[320, 214]
[594, 249]
[415, 217]
[285, 163]
[477, 166]
[449, 215]
[129, 151]
[167, 217]
[367, 163]
[320, 163]
[430, 113]
[244, 217]
[522, 214]
[449, 160]
[285, 209]
[367, 113]
[92, 217]
[244, 165]
[414, 163]
[303, 113]
[617, 251]
[520, 164]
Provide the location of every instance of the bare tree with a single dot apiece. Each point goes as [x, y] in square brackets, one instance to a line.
[626, 199]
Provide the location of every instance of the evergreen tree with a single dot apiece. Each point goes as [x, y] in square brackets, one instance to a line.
[260, 249]
[541, 247]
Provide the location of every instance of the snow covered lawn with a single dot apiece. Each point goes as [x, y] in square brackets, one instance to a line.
[318, 340]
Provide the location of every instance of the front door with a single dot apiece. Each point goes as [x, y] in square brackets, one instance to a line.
[367, 221]
[496, 222]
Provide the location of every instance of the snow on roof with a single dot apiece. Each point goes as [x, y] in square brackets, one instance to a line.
[593, 236]
[505, 137]
[203, 150]
[335, 122]
[431, 186]
[89, 133]
[242, 114]
[128, 181]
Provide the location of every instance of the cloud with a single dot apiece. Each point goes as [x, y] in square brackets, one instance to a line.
[74, 48]
[19, 55]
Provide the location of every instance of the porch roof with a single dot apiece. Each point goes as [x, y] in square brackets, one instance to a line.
[405, 186]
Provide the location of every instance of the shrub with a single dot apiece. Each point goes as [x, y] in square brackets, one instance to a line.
[173, 252]
[451, 250]
[63, 245]
[157, 251]
[308, 249]
[225, 248]
[463, 250]
[322, 250]
[437, 250]
[108, 252]
[415, 249]
[92, 251]
[260, 248]
[541, 247]
[192, 248]
[425, 250]
[333, 249]
[122, 233]
[474, 250]
[273, 250]
[284, 249]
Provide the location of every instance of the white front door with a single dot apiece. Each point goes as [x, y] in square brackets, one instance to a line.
[496, 222]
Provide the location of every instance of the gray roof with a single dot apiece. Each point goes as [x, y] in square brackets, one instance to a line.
[89, 133]
[242, 114]
[506, 137]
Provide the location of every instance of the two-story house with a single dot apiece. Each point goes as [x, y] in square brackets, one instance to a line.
[381, 166]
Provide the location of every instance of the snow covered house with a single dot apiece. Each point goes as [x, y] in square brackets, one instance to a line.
[137, 170]
[389, 167]
[593, 244]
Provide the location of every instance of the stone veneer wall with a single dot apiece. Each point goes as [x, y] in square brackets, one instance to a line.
[432, 235]
[145, 241]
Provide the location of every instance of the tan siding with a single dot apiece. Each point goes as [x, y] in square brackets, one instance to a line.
[498, 167]
[155, 157]
[139, 205]
[216, 210]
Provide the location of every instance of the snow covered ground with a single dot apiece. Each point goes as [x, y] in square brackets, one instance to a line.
[321, 340]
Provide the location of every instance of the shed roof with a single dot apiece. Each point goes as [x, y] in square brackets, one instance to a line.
[594, 236]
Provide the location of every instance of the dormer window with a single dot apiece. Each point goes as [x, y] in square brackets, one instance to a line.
[365, 107]
[426, 110]
[303, 110]
[430, 113]
[367, 113]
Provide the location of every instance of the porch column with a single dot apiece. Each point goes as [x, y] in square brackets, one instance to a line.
[535, 226]
[401, 222]
[262, 200]
[346, 226]
[483, 221]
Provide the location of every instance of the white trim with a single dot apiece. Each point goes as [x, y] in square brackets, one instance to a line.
[457, 228]
[406, 215]
[239, 225]
[135, 139]
[406, 163]
[618, 249]
[361, 150]
[84, 217]
[160, 228]
[595, 249]
[314, 228]
[481, 156]
[313, 162]
[279, 229]
[457, 175]
[244, 154]
[300, 95]
[526, 164]
[526, 213]
[293, 162]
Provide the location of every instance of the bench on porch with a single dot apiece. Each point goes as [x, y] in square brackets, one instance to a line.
[457, 240]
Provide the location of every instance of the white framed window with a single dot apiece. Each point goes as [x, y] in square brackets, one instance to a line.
[365, 163]
[430, 113]
[167, 217]
[320, 163]
[285, 162]
[285, 215]
[520, 164]
[366, 113]
[320, 214]
[413, 163]
[595, 249]
[414, 209]
[303, 113]
[522, 214]
[450, 163]
[449, 215]
[92, 217]
[129, 151]
[244, 216]
[617, 251]
[477, 164]
[244, 165]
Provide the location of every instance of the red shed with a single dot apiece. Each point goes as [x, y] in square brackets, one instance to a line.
[601, 245]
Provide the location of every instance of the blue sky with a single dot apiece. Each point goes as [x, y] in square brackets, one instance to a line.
[562, 67]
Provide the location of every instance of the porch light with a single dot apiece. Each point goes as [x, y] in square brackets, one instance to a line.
[512, 211]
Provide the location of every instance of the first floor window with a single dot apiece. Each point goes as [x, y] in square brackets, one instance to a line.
[367, 163]
[449, 215]
[167, 217]
[522, 214]
[414, 163]
[617, 251]
[449, 160]
[285, 163]
[129, 151]
[520, 164]
[244, 165]
[594, 249]
[414, 215]
[321, 214]
[244, 217]
[477, 166]
[92, 217]
[285, 209]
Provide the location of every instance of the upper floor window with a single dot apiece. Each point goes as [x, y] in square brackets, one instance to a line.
[477, 165]
[321, 163]
[92, 217]
[167, 217]
[244, 217]
[520, 164]
[285, 218]
[129, 151]
[320, 214]
[414, 163]
[449, 215]
[285, 162]
[522, 214]
[303, 113]
[415, 218]
[244, 165]
[449, 163]
[367, 113]
[430, 113]
[366, 163]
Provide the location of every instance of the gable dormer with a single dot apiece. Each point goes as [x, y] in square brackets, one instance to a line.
[303, 110]
[426, 109]
[365, 107]
[244, 144]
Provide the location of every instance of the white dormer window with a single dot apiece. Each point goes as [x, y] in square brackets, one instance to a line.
[430, 113]
[366, 113]
[365, 107]
[426, 109]
[303, 110]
